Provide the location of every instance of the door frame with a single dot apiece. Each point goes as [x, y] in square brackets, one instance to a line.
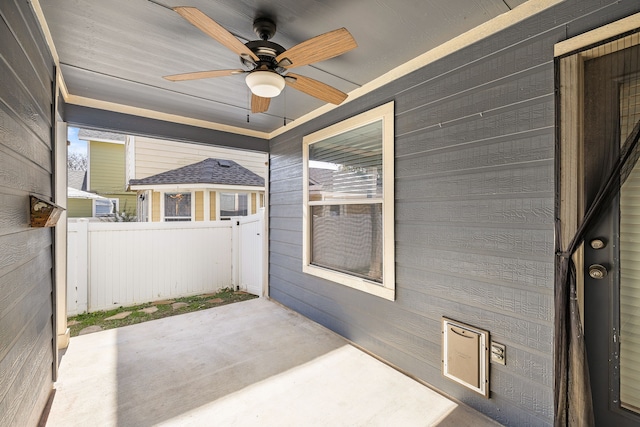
[570, 57]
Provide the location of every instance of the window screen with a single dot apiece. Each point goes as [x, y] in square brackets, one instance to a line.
[177, 206]
[233, 204]
[348, 238]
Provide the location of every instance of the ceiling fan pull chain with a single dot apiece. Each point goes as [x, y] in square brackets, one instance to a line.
[249, 104]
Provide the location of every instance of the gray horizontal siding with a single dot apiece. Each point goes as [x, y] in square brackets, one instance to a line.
[474, 207]
[26, 282]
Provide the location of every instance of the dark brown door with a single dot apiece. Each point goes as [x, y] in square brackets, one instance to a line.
[612, 249]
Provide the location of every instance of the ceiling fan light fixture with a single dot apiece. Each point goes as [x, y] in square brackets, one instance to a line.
[265, 84]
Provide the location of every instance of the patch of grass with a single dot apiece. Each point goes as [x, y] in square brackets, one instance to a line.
[194, 303]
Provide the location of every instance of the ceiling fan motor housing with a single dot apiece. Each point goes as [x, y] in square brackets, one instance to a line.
[267, 52]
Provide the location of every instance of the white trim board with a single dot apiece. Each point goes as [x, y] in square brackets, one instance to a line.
[597, 35]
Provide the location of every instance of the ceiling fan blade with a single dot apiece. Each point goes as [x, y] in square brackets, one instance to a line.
[315, 88]
[202, 75]
[318, 49]
[214, 30]
[259, 104]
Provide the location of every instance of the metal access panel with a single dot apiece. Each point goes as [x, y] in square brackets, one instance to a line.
[465, 355]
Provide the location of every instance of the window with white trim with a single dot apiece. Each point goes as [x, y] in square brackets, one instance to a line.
[177, 206]
[106, 207]
[349, 203]
[233, 204]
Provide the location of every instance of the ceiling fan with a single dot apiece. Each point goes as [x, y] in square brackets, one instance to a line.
[269, 62]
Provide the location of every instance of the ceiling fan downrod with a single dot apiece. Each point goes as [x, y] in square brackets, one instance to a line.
[264, 28]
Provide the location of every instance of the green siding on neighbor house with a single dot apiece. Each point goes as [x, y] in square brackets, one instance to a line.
[79, 208]
[106, 168]
[128, 202]
[107, 173]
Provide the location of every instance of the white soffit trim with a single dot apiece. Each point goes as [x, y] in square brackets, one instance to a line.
[45, 29]
[599, 34]
[98, 139]
[109, 141]
[74, 193]
[180, 187]
[489, 28]
[37, 10]
[54, 53]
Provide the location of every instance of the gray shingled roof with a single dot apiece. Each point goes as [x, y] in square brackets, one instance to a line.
[77, 180]
[209, 171]
[99, 135]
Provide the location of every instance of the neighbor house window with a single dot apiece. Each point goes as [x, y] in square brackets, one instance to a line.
[348, 210]
[233, 204]
[177, 206]
[106, 207]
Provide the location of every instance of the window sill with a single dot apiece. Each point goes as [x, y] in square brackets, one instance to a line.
[358, 283]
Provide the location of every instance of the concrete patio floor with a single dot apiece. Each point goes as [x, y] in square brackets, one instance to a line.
[253, 363]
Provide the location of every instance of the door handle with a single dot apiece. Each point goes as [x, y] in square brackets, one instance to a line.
[598, 244]
[597, 271]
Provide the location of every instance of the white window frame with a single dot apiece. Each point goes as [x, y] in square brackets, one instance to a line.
[386, 289]
[115, 203]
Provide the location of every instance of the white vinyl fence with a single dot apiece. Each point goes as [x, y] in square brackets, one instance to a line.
[119, 264]
[250, 254]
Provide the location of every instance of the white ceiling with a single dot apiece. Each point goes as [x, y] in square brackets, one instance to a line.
[116, 51]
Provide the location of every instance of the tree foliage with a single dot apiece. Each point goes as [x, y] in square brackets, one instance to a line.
[77, 161]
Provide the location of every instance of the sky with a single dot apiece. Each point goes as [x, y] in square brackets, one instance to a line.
[76, 146]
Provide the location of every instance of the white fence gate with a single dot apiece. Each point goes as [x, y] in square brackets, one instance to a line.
[251, 254]
[120, 264]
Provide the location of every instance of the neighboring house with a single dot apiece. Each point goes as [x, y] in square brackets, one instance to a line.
[205, 191]
[79, 201]
[146, 156]
[82, 204]
[106, 173]
[77, 179]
